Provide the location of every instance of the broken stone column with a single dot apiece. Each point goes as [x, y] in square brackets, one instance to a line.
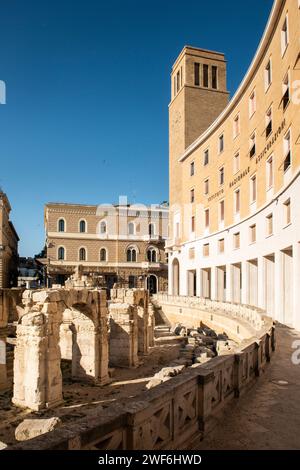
[123, 344]
[37, 373]
[139, 298]
[151, 325]
[3, 367]
[3, 335]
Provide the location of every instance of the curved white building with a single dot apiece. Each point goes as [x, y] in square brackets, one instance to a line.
[234, 174]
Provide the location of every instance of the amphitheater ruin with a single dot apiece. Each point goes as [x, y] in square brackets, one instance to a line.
[128, 372]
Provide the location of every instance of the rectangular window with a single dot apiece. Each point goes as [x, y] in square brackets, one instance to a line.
[284, 36]
[237, 201]
[269, 124]
[253, 233]
[193, 224]
[269, 220]
[221, 143]
[178, 81]
[214, 77]
[192, 169]
[252, 145]
[287, 151]
[222, 211]
[206, 249]
[252, 104]
[177, 230]
[205, 75]
[192, 253]
[287, 212]
[206, 217]
[206, 157]
[192, 195]
[236, 240]
[285, 91]
[221, 245]
[206, 187]
[196, 74]
[236, 126]
[268, 75]
[270, 172]
[221, 176]
[236, 163]
[253, 188]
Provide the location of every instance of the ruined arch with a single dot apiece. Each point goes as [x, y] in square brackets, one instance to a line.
[44, 331]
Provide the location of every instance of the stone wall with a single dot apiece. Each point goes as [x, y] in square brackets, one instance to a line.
[130, 331]
[173, 414]
[10, 309]
[241, 322]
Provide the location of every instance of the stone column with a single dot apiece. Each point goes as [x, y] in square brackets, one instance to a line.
[3, 366]
[261, 303]
[213, 284]
[296, 286]
[229, 280]
[151, 325]
[30, 382]
[245, 283]
[123, 344]
[103, 340]
[37, 375]
[278, 287]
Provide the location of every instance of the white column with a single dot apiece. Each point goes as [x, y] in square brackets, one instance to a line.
[198, 283]
[296, 286]
[229, 281]
[214, 285]
[261, 283]
[245, 283]
[278, 314]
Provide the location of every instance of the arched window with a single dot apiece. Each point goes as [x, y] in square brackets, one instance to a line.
[82, 226]
[103, 226]
[61, 253]
[61, 225]
[131, 255]
[131, 228]
[82, 254]
[151, 230]
[103, 254]
[152, 255]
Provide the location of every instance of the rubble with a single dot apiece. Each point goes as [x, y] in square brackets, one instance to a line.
[30, 428]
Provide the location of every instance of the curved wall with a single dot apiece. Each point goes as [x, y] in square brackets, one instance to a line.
[247, 250]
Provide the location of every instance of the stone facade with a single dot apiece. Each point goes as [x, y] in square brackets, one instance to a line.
[8, 246]
[117, 244]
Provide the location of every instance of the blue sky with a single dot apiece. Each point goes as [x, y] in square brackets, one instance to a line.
[88, 89]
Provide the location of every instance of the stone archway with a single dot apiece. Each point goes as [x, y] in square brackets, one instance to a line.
[175, 277]
[80, 343]
[37, 371]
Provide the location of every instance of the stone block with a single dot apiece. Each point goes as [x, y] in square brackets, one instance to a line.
[30, 428]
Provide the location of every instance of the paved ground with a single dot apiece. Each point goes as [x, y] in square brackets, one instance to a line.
[268, 416]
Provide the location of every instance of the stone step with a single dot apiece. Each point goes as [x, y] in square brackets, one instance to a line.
[171, 339]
